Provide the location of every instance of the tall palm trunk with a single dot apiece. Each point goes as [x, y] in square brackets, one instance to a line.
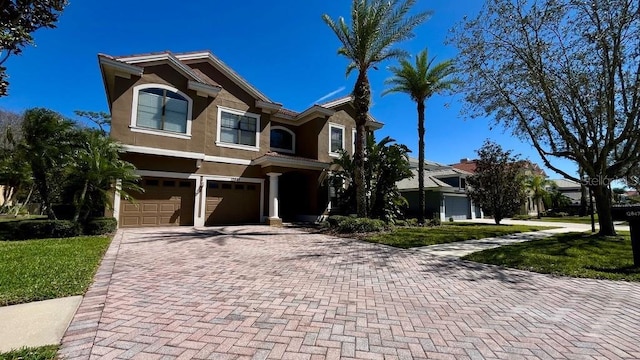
[603, 205]
[80, 202]
[40, 179]
[421, 200]
[362, 97]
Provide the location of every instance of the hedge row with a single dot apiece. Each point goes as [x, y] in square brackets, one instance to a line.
[44, 229]
[349, 224]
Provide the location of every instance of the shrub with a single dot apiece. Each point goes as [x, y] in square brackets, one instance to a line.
[451, 219]
[360, 225]
[41, 229]
[335, 220]
[522, 217]
[100, 226]
[434, 222]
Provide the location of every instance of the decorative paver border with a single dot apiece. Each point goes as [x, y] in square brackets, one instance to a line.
[78, 340]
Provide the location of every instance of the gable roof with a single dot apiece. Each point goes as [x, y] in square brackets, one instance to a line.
[197, 56]
[199, 81]
[430, 182]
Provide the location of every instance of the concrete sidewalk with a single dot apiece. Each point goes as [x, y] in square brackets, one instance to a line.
[462, 248]
[567, 225]
[37, 323]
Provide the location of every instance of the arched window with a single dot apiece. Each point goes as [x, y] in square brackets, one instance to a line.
[161, 108]
[283, 139]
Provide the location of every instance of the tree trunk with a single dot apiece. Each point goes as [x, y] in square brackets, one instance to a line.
[80, 203]
[421, 200]
[603, 207]
[26, 201]
[538, 206]
[45, 196]
[362, 97]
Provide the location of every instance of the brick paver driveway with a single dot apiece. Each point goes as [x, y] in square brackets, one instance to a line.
[279, 293]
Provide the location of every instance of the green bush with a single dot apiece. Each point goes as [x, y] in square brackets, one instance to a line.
[360, 225]
[100, 226]
[434, 222]
[42, 229]
[522, 217]
[407, 222]
[335, 220]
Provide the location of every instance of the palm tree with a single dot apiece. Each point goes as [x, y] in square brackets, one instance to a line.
[537, 186]
[376, 26]
[420, 83]
[96, 169]
[47, 143]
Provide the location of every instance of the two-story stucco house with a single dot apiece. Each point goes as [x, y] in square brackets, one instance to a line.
[212, 149]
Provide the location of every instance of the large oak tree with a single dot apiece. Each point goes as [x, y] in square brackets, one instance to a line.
[564, 74]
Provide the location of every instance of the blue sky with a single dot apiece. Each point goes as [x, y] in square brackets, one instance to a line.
[281, 47]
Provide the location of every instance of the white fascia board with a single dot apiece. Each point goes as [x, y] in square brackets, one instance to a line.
[375, 125]
[121, 66]
[204, 88]
[272, 107]
[226, 70]
[338, 102]
[172, 60]
[162, 152]
[315, 109]
[265, 161]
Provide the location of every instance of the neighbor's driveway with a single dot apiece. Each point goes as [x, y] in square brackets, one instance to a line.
[262, 292]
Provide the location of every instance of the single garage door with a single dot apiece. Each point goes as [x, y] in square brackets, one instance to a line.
[456, 207]
[232, 203]
[165, 202]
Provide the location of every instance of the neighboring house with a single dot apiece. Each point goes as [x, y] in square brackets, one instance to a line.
[445, 192]
[570, 189]
[212, 149]
[529, 169]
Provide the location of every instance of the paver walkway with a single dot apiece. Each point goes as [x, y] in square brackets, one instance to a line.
[278, 293]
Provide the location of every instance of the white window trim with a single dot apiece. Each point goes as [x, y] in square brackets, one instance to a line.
[241, 113]
[293, 140]
[337, 126]
[353, 141]
[134, 112]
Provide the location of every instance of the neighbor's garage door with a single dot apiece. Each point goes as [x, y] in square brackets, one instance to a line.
[165, 202]
[456, 207]
[232, 203]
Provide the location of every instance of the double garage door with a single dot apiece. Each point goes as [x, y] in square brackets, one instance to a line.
[168, 202]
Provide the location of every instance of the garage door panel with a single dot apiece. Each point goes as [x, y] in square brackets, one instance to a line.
[131, 208]
[457, 207]
[164, 203]
[232, 203]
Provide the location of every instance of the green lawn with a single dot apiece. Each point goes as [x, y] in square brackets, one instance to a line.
[36, 353]
[568, 219]
[408, 237]
[35, 270]
[572, 254]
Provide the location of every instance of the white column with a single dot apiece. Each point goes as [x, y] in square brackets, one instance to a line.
[273, 196]
[443, 209]
[473, 209]
[117, 198]
[200, 201]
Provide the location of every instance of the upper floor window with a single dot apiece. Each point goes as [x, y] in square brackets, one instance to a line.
[336, 139]
[161, 110]
[282, 139]
[238, 129]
